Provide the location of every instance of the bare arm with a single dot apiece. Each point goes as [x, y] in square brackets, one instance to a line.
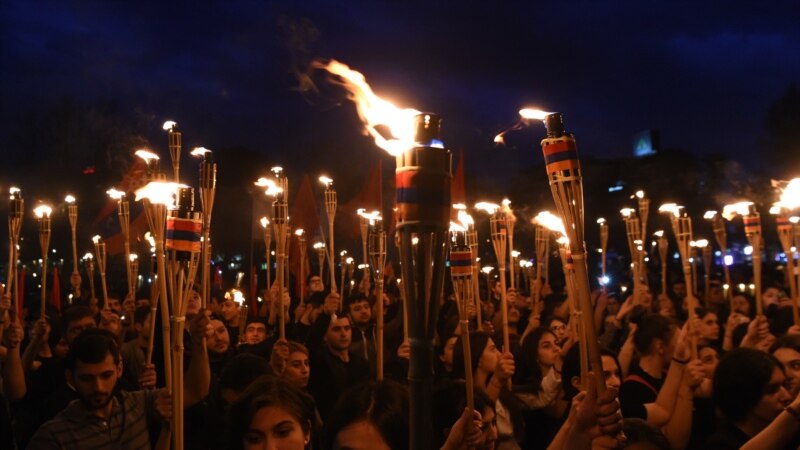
[38, 339]
[679, 427]
[13, 376]
[198, 375]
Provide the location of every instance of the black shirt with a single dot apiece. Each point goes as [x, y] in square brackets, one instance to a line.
[638, 389]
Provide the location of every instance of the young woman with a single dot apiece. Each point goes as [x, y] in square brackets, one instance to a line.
[271, 413]
[290, 362]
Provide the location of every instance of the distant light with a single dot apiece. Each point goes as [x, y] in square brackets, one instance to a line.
[646, 259]
[748, 250]
[717, 253]
[604, 280]
[676, 255]
[728, 260]
[752, 286]
[623, 289]
[741, 286]
[615, 188]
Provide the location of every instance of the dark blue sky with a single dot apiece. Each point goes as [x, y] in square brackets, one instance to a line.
[703, 73]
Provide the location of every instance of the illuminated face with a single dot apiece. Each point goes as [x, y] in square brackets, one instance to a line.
[255, 332]
[447, 354]
[709, 327]
[489, 357]
[229, 310]
[115, 305]
[613, 306]
[76, 327]
[666, 308]
[549, 352]
[771, 296]
[297, 370]
[790, 358]
[95, 383]
[272, 427]
[217, 337]
[709, 357]
[611, 372]
[360, 312]
[194, 303]
[340, 334]
[558, 328]
[774, 398]
[741, 305]
[315, 285]
[679, 289]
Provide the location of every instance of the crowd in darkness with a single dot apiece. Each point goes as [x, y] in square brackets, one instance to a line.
[84, 377]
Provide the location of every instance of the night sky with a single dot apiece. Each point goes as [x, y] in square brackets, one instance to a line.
[703, 74]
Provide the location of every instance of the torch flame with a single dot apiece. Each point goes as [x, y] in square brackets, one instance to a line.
[740, 208]
[456, 227]
[272, 187]
[158, 192]
[343, 252]
[490, 208]
[42, 211]
[326, 181]
[115, 194]
[199, 151]
[96, 239]
[465, 218]
[563, 241]
[133, 257]
[639, 194]
[459, 206]
[550, 221]
[776, 209]
[88, 257]
[659, 233]
[151, 240]
[318, 245]
[236, 296]
[701, 243]
[146, 155]
[264, 222]
[515, 253]
[627, 212]
[14, 191]
[672, 208]
[169, 125]
[709, 215]
[601, 220]
[790, 195]
[373, 110]
[297, 232]
[69, 199]
[794, 219]
[487, 269]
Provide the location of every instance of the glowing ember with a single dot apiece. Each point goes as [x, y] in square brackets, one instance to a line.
[740, 208]
[115, 194]
[42, 211]
[158, 192]
[373, 110]
[490, 208]
[326, 181]
[550, 221]
[169, 125]
[69, 199]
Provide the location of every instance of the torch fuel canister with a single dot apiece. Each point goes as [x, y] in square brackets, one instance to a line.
[184, 225]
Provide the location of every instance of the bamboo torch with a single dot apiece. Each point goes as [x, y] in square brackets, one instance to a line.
[100, 255]
[301, 245]
[795, 221]
[267, 249]
[663, 246]
[720, 235]
[461, 271]
[72, 212]
[471, 240]
[499, 232]
[208, 189]
[682, 229]
[133, 258]
[15, 215]
[377, 253]
[42, 213]
[633, 232]
[510, 221]
[786, 236]
[319, 248]
[343, 271]
[564, 176]
[124, 215]
[88, 259]
[363, 222]
[704, 251]
[330, 210]
[644, 213]
[601, 222]
[280, 223]
[174, 137]
[752, 229]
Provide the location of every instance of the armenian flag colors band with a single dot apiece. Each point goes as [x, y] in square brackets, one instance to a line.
[752, 224]
[183, 235]
[783, 221]
[560, 154]
[422, 196]
[460, 263]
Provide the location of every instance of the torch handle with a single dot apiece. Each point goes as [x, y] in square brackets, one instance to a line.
[379, 326]
[331, 261]
[504, 309]
[692, 301]
[587, 318]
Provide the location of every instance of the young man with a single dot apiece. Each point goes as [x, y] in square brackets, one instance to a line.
[787, 351]
[360, 312]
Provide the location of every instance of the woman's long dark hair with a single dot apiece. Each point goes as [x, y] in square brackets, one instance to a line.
[477, 344]
[529, 375]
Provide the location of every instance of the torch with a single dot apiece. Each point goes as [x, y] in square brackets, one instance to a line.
[577, 331]
[422, 179]
[72, 210]
[319, 247]
[497, 224]
[633, 231]
[100, 255]
[280, 223]
[208, 189]
[124, 214]
[471, 239]
[644, 213]
[461, 270]
[603, 250]
[363, 221]
[663, 246]
[183, 232]
[15, 215]
[133, 259]
[682, 229]
[510, 221]
[377, 253]
[301, 244]
[330, 209]
[42, 213]
[786, 236]
[752, 229]
[718, 225]
[564, 176]
[88, 259]
[267, 246]
[174, 137]
[704, 251]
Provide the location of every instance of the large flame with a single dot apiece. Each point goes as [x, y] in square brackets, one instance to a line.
[465, 219]
[627, 212]
[146, 155]
[710, 214]
[199, 151]
[490, 208]
[158, 192]
[734, 209]
[169, 125]
[42, 211]
[790, 195]
[272, 187]
[550, 221]
[456, 227]
[327, 181]
[373, 110]
[671, 208]
[372, 217]
[115, 194]
[69, 199]
[506, 209]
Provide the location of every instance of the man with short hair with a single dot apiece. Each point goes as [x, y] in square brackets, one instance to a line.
[229, 310]
[315, 284]
[364, 339]
[256, 331]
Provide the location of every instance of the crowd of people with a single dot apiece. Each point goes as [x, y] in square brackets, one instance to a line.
[89, 377]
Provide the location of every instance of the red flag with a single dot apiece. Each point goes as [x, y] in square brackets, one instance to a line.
[457, 191]
[55, 292]
[218, 278]
[304, 214]
[21, 291]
